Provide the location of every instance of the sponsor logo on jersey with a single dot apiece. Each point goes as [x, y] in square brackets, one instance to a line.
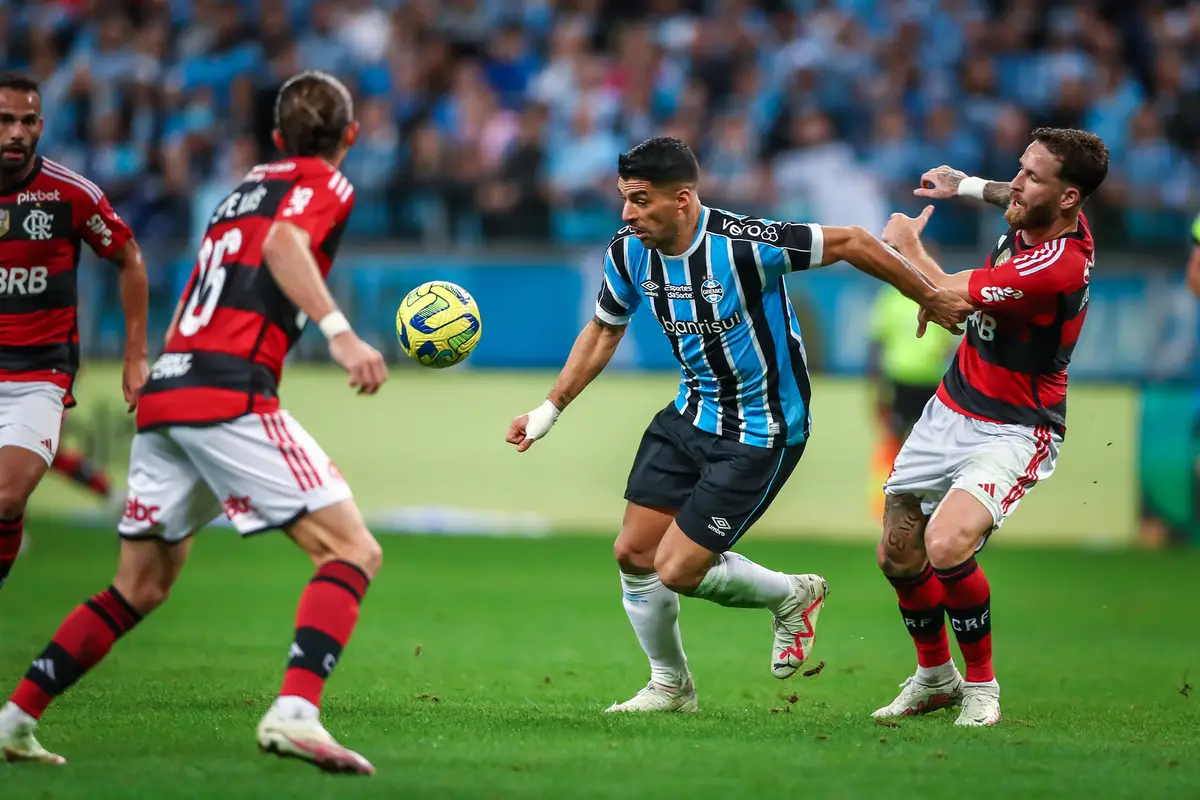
[712, 290]
[753, 229]
[998, 294]
[37, 225]
[171, 365]
[673, 291]
[98, 226]
[38, 196]
[23, 280]
[702, 327]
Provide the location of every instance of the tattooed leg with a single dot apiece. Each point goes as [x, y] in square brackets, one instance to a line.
[901, 550]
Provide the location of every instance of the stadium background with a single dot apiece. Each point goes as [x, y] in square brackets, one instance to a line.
[490, 133]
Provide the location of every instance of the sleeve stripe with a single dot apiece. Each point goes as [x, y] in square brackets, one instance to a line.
[611, 292]
[63, 174]
[340, 185]
[816, 250]
[609, 318]
[618, 256]
[1043, 260]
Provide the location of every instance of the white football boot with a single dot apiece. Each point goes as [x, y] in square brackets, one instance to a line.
[288, 734]
[980, 705]
[17, 742]
[656, 697]
[796, 625]
[921, 698]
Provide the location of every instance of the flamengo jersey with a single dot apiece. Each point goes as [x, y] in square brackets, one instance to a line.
[725, 310]
[225, 358]
[1012, 364]
[43, 220]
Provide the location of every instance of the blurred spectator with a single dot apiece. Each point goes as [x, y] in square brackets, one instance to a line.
[503, 118]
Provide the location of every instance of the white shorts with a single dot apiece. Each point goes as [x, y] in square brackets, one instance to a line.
[262, 471]
[31, 416]
[997, 464]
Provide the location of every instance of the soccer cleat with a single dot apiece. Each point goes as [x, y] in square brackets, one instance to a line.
[796, 625]
[980, 705]
[306, 739]
[658, 698]
[921, 698]
[17, 742]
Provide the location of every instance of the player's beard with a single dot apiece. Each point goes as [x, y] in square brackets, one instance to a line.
[14, 166]
[1026, 216]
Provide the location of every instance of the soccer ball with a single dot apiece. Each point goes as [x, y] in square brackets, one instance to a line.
[438, 324]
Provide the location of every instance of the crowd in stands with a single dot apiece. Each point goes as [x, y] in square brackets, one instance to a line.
[492, 120]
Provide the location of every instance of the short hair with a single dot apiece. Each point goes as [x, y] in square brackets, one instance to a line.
[663, 159]
[19, 82]
[1082, 156]
[312, 112]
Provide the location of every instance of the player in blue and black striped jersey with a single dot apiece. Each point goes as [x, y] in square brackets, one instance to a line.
[711, 462]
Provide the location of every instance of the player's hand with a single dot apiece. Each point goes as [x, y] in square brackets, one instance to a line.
[940, 183]
[902, 231]
[944, 308]
[528, 428]
[133, 378]
[364, 363]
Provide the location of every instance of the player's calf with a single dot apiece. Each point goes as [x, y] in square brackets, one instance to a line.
[21, 469]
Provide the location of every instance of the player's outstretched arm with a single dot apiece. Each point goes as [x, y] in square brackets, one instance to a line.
[135, 301]
[945, 182]
[593, 349]
[287, 252]
[869, 254]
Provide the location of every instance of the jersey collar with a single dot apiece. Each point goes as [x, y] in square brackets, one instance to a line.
[701, 230]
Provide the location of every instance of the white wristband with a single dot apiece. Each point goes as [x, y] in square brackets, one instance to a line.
[971, 186]
[333, 324]
[541, 420]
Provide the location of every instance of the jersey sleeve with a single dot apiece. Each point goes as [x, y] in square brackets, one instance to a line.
[783, 247]
[1031, 283]
[317, 204]
[103, 230]
[618, 298]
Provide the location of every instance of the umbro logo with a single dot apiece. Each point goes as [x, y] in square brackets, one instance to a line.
[651, 288]
[720, 526]
[990, 488]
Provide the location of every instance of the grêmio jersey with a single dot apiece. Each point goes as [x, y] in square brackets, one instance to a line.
[225, 358]
[725, 312]
[1012, 365]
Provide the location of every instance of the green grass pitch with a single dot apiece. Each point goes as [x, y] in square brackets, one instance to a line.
[480, 669]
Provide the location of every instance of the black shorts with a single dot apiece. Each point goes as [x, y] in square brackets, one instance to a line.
[716, 487]
[907, 403]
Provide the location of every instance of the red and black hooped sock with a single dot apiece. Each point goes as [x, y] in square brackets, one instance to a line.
[969, 606]
[921, 607]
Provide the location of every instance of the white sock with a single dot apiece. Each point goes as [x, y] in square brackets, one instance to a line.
[737, 582]
[935, 676]
[293, 707]
[653, 610]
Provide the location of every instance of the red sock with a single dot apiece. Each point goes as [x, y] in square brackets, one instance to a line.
[324, 621]
[75, 465]
[924, 616]
[84, 638]
[968, 604]
[11, 533]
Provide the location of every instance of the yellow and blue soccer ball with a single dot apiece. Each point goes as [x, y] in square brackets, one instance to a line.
[438, 324]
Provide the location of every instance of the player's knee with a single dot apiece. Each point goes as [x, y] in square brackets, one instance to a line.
[678, 575]
[362, 550]
[633, 557]
[12, 502]
[895, 562]
[146, 593]
[949, 544]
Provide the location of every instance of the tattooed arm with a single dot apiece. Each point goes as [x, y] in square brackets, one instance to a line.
[942, 183]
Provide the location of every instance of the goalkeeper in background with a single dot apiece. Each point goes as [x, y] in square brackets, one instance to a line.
[906, 372]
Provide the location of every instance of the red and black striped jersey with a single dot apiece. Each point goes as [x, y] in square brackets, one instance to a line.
[225, 357]
[1031, 301]
[43, 221]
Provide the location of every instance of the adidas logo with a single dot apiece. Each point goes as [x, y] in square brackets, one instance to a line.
[49, 445]
[990, 488]
[46, 666]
